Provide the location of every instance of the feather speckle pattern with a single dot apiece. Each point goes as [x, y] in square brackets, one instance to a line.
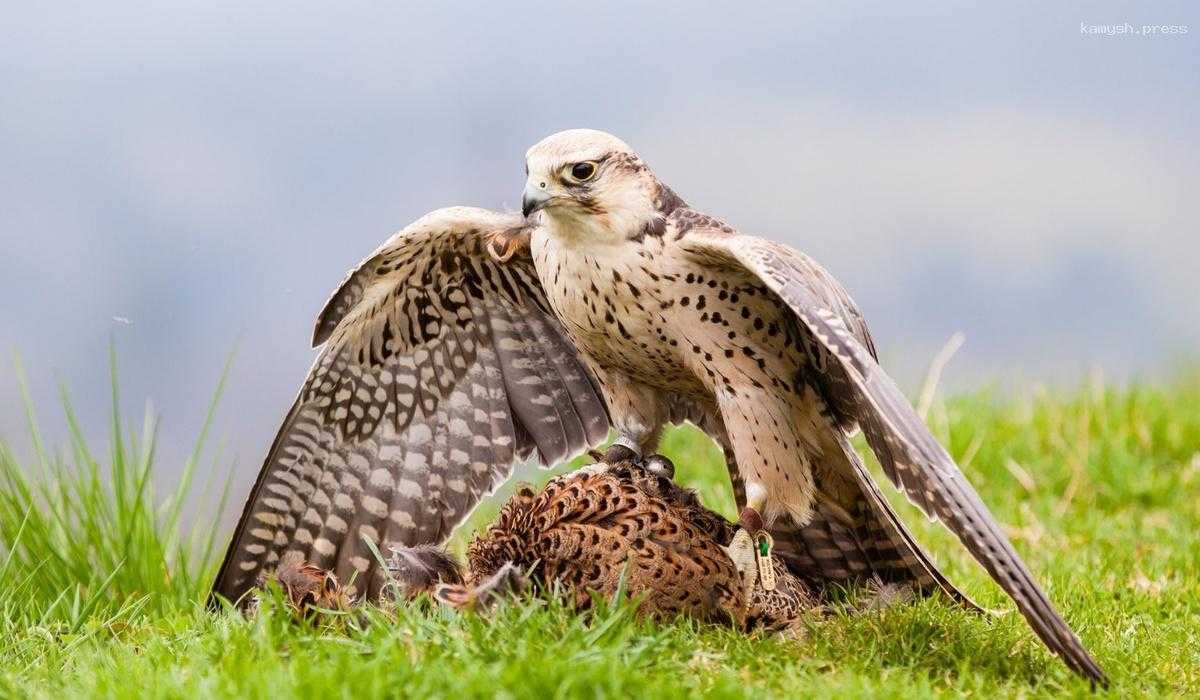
[602, 530]
[472, 339]
[671, 306]
[440, 369]
[910, 456]
[605, 528]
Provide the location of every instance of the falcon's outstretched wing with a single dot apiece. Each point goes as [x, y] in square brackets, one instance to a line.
[911, 457]
[440, 369]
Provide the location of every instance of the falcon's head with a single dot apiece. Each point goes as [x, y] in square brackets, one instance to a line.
[592, 187]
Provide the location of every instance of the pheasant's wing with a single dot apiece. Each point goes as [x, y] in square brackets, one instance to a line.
[440, 369]
[911, 457]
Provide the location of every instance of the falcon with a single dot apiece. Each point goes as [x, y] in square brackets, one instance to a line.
[472, 340]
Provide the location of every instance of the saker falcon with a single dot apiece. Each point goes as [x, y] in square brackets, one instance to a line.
[472, 339]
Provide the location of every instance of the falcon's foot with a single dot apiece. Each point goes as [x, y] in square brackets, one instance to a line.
[751, 518]
[655, 464]
[617, 453]
[659, 465]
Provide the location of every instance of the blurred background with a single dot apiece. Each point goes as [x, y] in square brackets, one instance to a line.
[187, 179]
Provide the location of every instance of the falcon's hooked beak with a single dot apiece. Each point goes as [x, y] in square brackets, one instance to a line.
[534, 198]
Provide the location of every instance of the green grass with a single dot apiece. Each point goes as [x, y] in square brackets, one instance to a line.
[101, 592]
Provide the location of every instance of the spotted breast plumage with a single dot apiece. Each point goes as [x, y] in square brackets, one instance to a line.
[613, 302]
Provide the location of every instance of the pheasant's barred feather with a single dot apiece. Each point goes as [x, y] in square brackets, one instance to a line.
[440, 369]
[607, 528]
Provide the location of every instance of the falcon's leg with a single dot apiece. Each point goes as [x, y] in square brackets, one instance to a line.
[637, 414]
[749, 513]
[775, 444]
[750, 517]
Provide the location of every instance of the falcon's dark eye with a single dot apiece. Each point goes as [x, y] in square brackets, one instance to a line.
[582, 172]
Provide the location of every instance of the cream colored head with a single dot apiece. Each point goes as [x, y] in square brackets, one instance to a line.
[591, 187]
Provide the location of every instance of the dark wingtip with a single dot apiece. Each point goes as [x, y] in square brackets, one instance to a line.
[215, 602]
[1082, 663]
[220, 596]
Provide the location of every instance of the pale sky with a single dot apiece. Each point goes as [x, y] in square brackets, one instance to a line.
[190, 178]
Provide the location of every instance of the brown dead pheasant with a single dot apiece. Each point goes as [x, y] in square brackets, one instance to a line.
[605, 527]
